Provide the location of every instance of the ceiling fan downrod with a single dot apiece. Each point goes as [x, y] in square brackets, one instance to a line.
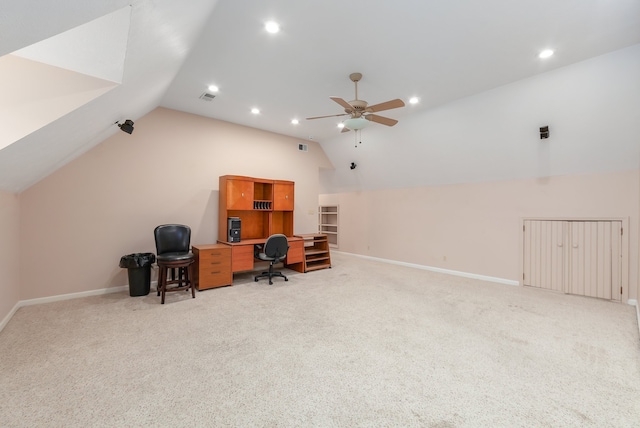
[355, 78]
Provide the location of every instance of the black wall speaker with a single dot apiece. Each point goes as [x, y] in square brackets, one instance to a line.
[233, 229]
[544, 132]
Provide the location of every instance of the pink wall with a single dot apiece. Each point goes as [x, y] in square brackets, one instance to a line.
[79, 221]
[477, 227]
[9, 252]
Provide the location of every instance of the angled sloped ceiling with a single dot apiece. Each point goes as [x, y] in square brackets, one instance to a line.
[44, 81]
[148, 42]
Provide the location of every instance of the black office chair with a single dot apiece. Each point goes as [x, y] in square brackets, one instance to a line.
[173, 252]
[274, 251]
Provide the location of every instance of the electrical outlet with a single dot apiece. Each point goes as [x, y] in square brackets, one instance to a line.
[312, 212]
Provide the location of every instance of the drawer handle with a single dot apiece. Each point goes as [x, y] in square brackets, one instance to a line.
[215, 263]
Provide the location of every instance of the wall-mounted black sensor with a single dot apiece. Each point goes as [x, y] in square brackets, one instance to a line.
[127, 126]
[544, 132]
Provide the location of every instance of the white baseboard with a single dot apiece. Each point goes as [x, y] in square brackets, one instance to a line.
[634, 302]
[60, 297]
[6, 319]
[70, 296]
[437, 269]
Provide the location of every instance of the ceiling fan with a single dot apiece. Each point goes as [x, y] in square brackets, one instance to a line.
[361, 113]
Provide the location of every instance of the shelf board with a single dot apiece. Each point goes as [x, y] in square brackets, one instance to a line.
[323, 266]
[314, 251]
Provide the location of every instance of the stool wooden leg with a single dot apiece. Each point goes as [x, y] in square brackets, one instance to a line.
[159, 280]
[190, 278]
[163, 283]
[159, 286]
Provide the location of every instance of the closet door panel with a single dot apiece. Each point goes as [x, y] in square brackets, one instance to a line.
[576, 278]
[616, 260]
[544, 254]
[595, 259]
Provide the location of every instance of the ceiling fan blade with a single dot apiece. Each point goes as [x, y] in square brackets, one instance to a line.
[345, 129]
[381, 119]
[343, 103]
[331, 115]
[386, 105]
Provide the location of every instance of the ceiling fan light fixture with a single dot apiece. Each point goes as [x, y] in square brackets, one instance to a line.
[356, 123]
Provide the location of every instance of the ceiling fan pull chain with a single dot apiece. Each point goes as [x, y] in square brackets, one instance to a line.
[357, 137]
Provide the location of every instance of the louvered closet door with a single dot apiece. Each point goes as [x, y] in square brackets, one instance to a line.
[544, 254]
[595, 259]
[575, 257]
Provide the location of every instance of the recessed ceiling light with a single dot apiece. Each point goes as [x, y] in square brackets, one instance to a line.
[341, 125]
[414, 100]
[545, 53]
[295, 121]
[255, 110]
[272, 27]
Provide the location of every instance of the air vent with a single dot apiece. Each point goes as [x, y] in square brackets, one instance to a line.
[303, 147]
[207, 96]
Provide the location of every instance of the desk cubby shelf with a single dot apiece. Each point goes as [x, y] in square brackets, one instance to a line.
[316, 253]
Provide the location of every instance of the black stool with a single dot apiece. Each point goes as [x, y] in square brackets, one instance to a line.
[172, 246]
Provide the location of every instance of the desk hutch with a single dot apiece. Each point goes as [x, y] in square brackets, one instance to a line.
[264, 207]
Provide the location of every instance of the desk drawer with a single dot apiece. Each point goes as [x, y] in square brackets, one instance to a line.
[241, 258]
[210, 261]
[218, 254]
[214, 278]
[296, 252]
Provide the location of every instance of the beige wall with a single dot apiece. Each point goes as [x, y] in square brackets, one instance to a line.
[477, 227]
[79, 221]
[9, 252]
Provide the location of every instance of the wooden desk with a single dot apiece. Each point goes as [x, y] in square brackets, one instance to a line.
[242, 253]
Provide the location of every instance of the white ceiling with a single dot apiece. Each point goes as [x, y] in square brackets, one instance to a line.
[437, 50]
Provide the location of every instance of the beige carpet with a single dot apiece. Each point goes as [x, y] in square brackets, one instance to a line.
[364, 344]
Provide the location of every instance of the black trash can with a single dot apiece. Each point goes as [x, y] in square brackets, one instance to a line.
[139, 270]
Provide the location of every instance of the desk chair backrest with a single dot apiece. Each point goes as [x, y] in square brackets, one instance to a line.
[276, 247]
[172, 238]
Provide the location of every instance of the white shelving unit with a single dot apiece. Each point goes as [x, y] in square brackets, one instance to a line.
[328, 223]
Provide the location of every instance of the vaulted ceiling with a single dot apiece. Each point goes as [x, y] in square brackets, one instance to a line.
[126, 58]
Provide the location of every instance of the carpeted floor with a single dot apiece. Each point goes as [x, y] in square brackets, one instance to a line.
[364, 344]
